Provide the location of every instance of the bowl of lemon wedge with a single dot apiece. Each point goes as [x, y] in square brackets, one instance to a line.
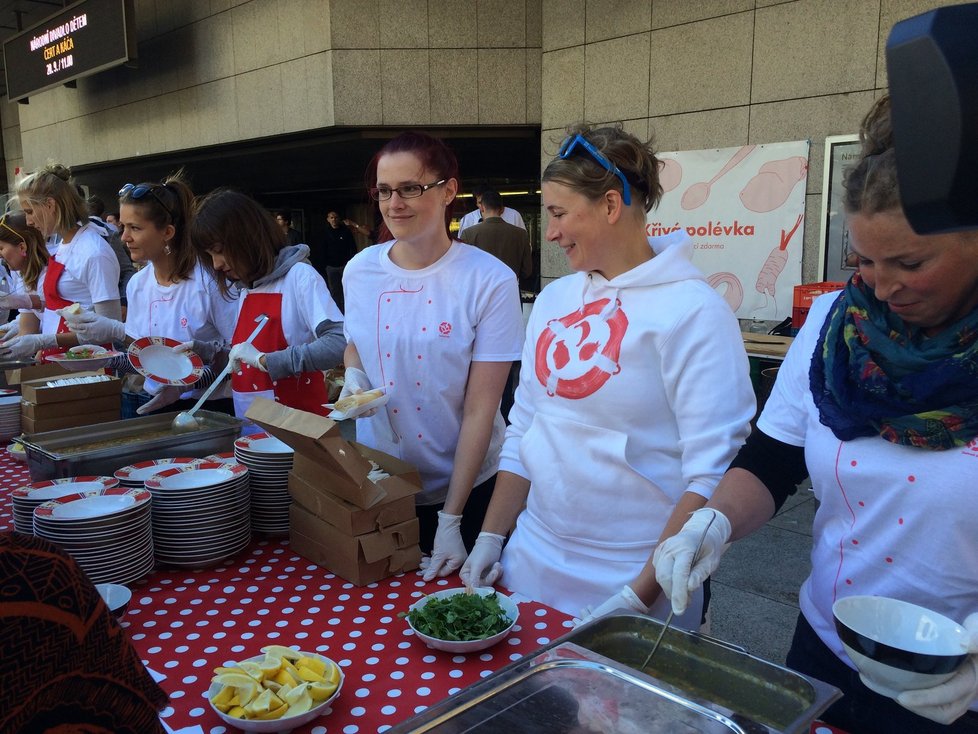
[277, 691]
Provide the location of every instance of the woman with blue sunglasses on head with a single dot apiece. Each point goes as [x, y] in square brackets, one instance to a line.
[82, 270]
[172, 295]
[633, 397]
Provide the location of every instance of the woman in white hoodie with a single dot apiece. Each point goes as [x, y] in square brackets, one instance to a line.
[633, 397]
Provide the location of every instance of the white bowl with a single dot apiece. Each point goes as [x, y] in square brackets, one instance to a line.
[509, 609]
[116, 597]
[285, 724]
[898, 646]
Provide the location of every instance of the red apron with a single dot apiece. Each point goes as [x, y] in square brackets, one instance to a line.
[305, 391]
[53, 302]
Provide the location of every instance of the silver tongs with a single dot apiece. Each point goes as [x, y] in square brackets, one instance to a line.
[672, 611]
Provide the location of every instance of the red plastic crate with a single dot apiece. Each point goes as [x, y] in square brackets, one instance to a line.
[805, 294]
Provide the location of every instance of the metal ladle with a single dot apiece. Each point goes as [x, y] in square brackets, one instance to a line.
[185, 421]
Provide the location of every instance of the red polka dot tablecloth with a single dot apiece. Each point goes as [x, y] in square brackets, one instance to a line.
[186, 623]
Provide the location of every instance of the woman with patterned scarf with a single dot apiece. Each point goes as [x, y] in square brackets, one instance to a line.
[877, 401]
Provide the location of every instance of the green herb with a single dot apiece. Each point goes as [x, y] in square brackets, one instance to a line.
[460, 618]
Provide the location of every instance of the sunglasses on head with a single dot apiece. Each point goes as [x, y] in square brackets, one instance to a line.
[138, 191]
[568, 147]
[18, 235]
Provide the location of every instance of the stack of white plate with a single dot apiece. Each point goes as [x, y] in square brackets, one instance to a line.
[107, 531]
[9, 414]
[227, 457]
[135, 475]
[270, 461]
[25, 499]
[201, 513]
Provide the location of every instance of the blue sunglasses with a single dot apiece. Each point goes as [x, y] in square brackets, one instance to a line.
[138, 191]
[567, 148]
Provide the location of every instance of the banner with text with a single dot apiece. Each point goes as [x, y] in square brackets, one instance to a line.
[744, 209]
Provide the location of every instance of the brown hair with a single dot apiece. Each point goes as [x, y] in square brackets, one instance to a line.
[871, 184]
[176, 195]
[240, 229]
[53, 181]
[15, 230]
[635, 159]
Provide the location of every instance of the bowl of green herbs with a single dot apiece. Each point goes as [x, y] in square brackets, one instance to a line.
[462, 620]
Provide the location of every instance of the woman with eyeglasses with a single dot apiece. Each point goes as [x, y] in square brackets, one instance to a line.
[23, 249]
[633, 397]
[244, 247]
[172, 295]
[82, 270]
[437, 323]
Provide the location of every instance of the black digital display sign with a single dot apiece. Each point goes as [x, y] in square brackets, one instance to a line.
[85, 38]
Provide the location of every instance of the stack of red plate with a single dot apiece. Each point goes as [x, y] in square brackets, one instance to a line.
[135, 475]
[201, 513]
[25, 499]
[107, 531]
[270, 462]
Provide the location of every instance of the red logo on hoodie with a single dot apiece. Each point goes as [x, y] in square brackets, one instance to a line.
[577, 354]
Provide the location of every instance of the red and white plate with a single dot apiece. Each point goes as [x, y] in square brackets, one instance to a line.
[51, 489]
[137, 474]
[226, 457]
[197, 476]
[155, 357]
[97, 503]
[263, 444]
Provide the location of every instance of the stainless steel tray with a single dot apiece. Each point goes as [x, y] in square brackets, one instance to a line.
[695, 684]
[102, 448]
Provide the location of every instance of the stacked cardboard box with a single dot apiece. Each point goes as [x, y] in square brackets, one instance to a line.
[360, 529]
[45, 408]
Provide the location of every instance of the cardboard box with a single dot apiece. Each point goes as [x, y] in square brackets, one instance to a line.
[35, 372]
[71, 408]
[324, 458]
[360, 559]
[345, 516]
[37, 391]
[42, 425]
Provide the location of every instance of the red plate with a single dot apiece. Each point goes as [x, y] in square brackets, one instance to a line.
[126, 472]
[153, 358]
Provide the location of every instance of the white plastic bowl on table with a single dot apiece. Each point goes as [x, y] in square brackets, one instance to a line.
[899, 646]
[287, 723]
[116, 597]
[509, 609]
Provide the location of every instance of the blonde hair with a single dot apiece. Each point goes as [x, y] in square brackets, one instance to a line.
[871, 184]
[53, 181]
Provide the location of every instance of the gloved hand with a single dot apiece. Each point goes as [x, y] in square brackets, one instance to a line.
[355, 381]
[91, 328]
[15, 301]
[203, 349]
[449, 552]
[167, 396]
[624, 599]
[26, 346]
[482, 567]
[9, 330]
[948, 701]
[673, 558]
[248, 354]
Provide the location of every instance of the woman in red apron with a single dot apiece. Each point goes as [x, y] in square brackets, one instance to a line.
[22, 249]
[83, 270]
[304, 333]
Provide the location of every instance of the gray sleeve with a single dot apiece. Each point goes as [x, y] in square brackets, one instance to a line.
[322, 354]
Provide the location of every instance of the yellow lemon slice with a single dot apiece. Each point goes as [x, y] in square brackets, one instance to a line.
[261, 704]
[270, 666]
[252, 668]
[280, 651]
[332, 675]
[321, 691]
[314, 664]
[274, 713]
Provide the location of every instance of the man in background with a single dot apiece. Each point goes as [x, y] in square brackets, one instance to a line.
[338, 247]
[511, 216]
[497, 237]
[284, 219]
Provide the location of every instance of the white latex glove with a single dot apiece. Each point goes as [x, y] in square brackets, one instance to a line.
[9, 330]
[624, 599]
[14, 301]
[355, 381]
[948, 701]
[247, 353]
[482, 567]
[203, 349]
[167, 396]
[91, 328]
[449, 552]
[673, 558]
[26, 346]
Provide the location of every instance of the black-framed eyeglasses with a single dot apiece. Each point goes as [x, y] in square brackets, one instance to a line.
[14, 232]
[408, 191]
[570, 144]
[138, 191]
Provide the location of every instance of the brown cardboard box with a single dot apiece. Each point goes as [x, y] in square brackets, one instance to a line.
[29, 425]
[37, 391]
[345, 516]
[360, 559]
[34, 372]
[71, 408]
[324, 458]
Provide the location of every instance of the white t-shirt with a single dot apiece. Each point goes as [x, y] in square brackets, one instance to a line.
[892, 520]
[417, 333]
[191, 309]
[91, 274]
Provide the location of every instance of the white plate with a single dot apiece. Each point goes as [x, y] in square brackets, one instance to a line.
[156, 358]
[339, 415]
[509, 609]
[263, 445]
[82, 365]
